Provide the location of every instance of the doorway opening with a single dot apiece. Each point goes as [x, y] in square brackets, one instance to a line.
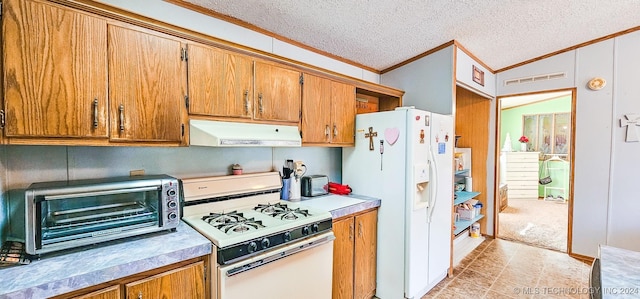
[534, 168]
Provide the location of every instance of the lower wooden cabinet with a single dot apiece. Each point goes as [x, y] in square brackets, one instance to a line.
[112, 292]
[185, 280]
[354, 256]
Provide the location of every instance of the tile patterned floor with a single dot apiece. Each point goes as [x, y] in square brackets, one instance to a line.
[504, 269]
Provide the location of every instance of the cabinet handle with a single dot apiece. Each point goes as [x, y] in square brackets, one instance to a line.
[2, 119]
[140, 295]
[260, 107]
[335, 130]
[95, 113]
[327, 131]
[360, 229]
[121, 108]
[246, 101]
[351, 232]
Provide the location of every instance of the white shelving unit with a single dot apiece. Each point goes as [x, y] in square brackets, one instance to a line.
[463, 244]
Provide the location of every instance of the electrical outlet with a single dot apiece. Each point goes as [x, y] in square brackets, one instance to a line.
[136, 172]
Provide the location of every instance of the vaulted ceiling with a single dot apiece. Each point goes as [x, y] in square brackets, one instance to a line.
[381, 33]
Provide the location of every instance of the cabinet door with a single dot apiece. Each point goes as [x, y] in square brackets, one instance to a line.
[112, 292]
[55, 71]
[343, 113]
[343, 258]
[220, 82]
[277, 93]
[145, 86]
[365, 255]
[182, 283]
[316, 103]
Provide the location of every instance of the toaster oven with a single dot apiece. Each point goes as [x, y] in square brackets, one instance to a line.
[68, 214]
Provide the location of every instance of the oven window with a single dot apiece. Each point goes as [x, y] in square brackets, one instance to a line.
[76, 217]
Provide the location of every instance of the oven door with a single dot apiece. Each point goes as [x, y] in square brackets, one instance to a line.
[69, 220]
[300, 270]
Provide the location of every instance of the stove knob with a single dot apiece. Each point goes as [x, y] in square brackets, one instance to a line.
[172, 216]
[305, 230]
[171, 192]
[171, 204]
[252, 247]
[314, 228]
[287, 236]
[265, 243]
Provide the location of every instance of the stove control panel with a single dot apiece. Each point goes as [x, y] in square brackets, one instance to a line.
[250, 248]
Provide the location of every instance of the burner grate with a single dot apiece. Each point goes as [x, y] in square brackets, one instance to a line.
[223, 218]
[292, 214]
[271, 209]
[240, 227]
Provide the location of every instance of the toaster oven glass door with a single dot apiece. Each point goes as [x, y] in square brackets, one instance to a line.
[83, 215]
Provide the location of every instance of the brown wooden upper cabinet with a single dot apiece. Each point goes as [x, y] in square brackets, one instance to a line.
[146, 84]
[220, 82]
[328, 112]
[230, 85]
[55, 71]
[277, 93]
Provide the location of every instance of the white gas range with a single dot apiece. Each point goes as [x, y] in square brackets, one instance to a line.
[259, 239]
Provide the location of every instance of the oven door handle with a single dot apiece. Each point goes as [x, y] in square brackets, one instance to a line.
[98, 193]
[278, 254]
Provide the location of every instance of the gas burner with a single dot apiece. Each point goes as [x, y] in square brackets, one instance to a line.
[271, 209]
[240, 227]
[291, 214]
[217, 219]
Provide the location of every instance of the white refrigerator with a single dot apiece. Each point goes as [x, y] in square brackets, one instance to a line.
[405, 158]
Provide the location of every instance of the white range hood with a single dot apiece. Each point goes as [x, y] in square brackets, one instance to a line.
[231, 134]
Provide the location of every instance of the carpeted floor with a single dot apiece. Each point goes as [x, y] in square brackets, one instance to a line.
[536, 222]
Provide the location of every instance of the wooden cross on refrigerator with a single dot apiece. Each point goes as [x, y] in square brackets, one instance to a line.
[370, 135]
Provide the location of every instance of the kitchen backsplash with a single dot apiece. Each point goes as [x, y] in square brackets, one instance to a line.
[22, 165]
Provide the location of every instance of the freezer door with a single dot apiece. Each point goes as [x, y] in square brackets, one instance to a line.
[418, 188]
[442, 141]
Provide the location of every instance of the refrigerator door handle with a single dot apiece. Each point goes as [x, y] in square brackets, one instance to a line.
[434, 186]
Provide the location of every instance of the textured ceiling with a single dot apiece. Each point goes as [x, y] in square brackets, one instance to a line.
[382, 33]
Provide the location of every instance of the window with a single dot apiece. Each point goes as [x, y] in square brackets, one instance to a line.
[548, 133]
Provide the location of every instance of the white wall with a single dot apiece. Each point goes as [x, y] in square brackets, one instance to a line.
[176, 15]
[624, 222]
[605, 201]
[427, 82]
[464, 75]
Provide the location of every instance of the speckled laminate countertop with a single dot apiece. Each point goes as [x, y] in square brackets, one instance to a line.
[64, 272]
[619, 272]
[339, 205]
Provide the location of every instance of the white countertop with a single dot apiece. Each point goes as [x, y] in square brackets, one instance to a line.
[341, 205]
[619, 272]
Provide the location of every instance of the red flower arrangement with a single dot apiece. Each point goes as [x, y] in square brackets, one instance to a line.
[523, 139]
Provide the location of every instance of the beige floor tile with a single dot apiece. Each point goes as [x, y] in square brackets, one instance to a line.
[465, 289]
[506, 287]
[494, 295]
[518, 277]
[441, 285]
[478, 278]
[487, 267]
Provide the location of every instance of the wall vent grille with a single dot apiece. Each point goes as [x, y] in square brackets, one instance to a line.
[535, 79]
